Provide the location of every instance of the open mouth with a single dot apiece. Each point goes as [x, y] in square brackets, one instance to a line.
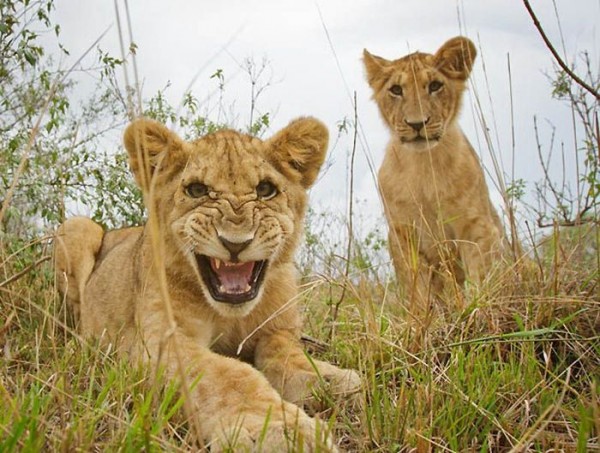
[232, 283]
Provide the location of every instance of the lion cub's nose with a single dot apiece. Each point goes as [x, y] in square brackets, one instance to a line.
[417, 125]
[234, 248]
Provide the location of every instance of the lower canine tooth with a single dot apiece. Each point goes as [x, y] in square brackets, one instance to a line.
[247, 288]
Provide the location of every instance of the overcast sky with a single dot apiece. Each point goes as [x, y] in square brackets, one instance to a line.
[311, 74]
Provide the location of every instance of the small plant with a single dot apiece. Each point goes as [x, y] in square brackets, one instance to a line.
[560, 204]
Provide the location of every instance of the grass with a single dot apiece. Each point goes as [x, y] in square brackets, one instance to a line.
[516, 369]
[513, 366]
[516, 373]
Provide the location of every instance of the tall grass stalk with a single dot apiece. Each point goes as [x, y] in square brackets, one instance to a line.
[514, 367]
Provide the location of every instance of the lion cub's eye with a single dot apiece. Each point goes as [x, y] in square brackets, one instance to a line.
[435, 86]
[196, 190]
[266, 190]
[396, 90]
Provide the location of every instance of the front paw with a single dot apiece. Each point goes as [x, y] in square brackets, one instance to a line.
[344, 382]
[285, 429]
[331, 386]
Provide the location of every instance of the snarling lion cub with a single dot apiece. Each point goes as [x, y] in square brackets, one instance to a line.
[218, 261]
[436, 201]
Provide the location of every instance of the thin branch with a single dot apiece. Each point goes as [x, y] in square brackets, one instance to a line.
[350, 223]
[580, 219]
[34, 130]
[555, 54]
[18, 275]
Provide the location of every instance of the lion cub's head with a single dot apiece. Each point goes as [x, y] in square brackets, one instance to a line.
[419, 95]
[230, 206]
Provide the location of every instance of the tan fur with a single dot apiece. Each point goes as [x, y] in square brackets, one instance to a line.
[236, 220]
[74, 263]
[436, 201]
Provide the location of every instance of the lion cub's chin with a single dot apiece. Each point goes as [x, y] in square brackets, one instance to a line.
[240, 310]
[420, 145]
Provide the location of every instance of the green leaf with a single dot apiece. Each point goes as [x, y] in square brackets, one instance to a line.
[30, 57]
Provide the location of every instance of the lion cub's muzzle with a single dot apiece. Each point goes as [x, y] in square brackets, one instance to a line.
[232, 282]
[419, 133]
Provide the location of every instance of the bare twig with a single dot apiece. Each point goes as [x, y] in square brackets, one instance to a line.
[579, 219]
[350, 223]
[313, 343]
[555, 54]
[34, 131]
[18, 275]
[510, 201]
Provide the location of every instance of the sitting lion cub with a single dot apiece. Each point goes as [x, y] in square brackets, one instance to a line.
[217, 259]
[436, 201]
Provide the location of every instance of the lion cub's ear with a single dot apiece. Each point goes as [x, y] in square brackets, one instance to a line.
[298, 150]
[456, 57]
[147, 143]
[376, 69]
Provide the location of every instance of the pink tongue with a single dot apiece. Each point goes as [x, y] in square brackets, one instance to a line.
[234, 278]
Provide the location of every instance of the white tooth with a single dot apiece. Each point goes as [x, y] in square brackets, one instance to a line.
[217, 263]
[221, 289]
[247, 288]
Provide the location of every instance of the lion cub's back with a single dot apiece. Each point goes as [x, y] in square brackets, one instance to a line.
[114, 238]
[109, 293]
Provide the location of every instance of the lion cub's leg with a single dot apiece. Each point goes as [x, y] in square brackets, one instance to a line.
[76, 244]
[481, 245]
[285, 364]
[415, 262]
[237, 407]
